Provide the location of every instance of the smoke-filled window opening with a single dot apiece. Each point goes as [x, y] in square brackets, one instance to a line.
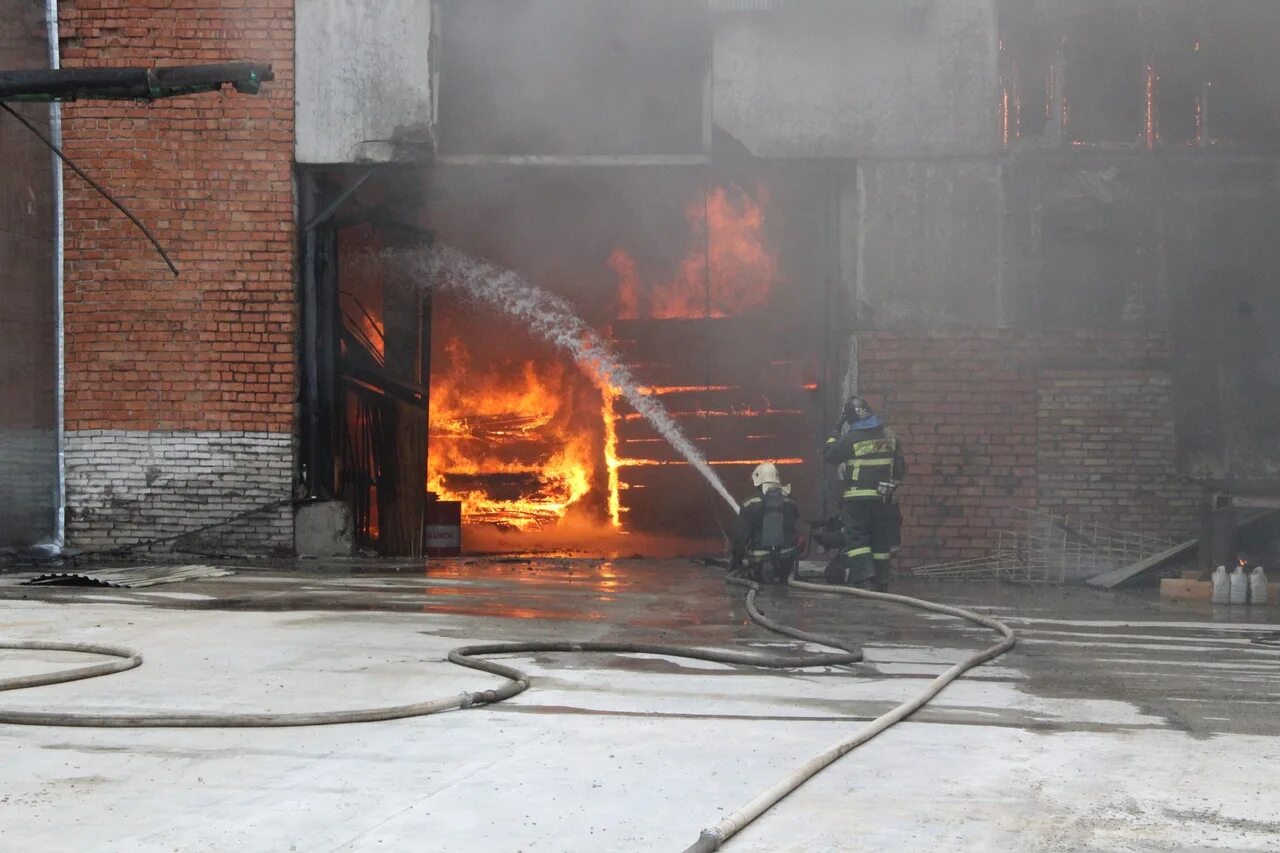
[1129, 75]
[1030, 64]
[1242, 97]
[1177, 85]
[1105, 78]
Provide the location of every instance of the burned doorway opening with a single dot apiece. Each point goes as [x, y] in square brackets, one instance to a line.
[364, 352]
[714, 284]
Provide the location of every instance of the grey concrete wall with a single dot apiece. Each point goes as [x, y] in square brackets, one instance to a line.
[1041, 243]
[573, 77]
[929, 243]
[364, 84]
[1224, 289]
[834, 78]
[28, 444]
[1084, 241]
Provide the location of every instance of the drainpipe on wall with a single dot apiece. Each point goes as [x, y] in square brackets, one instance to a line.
[55, 130]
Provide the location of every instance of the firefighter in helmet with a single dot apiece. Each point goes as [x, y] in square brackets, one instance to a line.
[870, 466]
[765, 538]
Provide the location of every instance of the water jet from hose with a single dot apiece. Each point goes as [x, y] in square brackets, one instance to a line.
[553, 319]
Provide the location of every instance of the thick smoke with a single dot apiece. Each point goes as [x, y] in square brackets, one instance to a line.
[554, 320]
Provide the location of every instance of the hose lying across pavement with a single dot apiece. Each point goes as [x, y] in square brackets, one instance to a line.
[713, 837]
[518, 682]
[468, 656]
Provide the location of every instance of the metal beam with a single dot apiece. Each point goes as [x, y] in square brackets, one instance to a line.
[338, 200]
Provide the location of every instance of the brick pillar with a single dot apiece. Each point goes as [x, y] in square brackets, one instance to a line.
[180, 391]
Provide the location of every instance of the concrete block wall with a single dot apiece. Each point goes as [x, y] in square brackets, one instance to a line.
[156, 365]
[126, 486]
[1076, 424]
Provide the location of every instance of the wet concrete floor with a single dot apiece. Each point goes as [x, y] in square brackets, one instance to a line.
[1119, 722]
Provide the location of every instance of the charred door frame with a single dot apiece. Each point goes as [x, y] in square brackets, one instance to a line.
[328, 204]
[318, 346]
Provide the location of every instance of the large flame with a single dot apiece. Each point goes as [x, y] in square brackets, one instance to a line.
[727, 271]
[608, 394]
[502, 442]
[504, 438]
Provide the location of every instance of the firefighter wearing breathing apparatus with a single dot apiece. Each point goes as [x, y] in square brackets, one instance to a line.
[869, 462]
[765, 541]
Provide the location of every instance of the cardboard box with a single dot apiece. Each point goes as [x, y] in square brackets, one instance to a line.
[1193, 590]
[1189, 590]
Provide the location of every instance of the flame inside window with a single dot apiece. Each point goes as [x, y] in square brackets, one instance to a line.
[727, 271]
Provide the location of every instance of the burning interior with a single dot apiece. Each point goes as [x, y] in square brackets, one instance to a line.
[704, 286]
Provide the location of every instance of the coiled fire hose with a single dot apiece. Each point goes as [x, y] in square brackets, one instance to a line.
[517, 682]
[468, 656]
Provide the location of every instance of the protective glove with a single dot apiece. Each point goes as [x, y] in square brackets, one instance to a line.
[885, 490]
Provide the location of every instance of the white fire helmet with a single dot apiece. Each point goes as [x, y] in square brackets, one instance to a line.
[765, 474]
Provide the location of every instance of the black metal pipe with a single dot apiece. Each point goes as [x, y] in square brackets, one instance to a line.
[147, 84]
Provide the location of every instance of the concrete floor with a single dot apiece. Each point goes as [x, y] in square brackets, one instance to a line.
[1118, 723]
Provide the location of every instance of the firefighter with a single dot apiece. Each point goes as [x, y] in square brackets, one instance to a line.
[870, 466]
[765, 538]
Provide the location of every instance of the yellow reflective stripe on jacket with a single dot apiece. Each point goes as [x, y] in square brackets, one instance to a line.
[856, 468]
[857, 552]
[861, 493]
[877, 555]
[875, 446]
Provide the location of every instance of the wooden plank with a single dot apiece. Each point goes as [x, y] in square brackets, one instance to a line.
[1195, 590]
[1112, 579]
[1115, 577]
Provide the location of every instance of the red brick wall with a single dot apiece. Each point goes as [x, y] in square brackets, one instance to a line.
[1072, 424]
[211, 176]
[1105, 436]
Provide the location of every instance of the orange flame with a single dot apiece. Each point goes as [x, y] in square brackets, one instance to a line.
[607, 396]
[729, 271]
[502, 443]
[624, 266]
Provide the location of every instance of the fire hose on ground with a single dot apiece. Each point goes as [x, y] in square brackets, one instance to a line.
[472, 657]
